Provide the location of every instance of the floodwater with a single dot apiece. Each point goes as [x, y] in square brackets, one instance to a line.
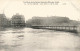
[28, 39]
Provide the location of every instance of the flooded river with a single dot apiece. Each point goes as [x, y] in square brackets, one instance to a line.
[28, 39]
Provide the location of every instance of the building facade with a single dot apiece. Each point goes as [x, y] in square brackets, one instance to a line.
[18, 21]
[4, 22]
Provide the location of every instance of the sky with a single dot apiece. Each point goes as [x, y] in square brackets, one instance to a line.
[65, 8]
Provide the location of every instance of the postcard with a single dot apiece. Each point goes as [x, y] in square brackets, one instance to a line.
[39, 25]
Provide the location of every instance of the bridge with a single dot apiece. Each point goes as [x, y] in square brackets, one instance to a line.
[74, 29]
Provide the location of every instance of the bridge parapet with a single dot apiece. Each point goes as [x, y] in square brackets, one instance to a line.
[60, 28]
[78, 28]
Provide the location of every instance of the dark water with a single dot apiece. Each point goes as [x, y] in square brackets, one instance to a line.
[38, 40]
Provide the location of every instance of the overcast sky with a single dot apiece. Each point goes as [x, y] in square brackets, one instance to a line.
[68, 8]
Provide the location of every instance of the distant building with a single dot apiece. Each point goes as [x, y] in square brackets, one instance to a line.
[18, 20]
[3, 21]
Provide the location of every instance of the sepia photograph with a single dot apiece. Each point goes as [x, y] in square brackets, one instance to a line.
[39, 25]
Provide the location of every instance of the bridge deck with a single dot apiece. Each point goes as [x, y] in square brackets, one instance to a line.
[58, 28]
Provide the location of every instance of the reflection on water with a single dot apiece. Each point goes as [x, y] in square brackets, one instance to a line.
[28, 39]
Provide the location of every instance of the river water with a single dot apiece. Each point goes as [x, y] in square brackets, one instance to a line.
[29, 39]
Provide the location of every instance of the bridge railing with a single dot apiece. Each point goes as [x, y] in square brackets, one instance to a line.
[60, 28]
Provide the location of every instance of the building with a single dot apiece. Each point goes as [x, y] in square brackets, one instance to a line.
[3, 21]
[18, 21]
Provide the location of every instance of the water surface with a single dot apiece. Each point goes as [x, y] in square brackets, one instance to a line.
[28, 39]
